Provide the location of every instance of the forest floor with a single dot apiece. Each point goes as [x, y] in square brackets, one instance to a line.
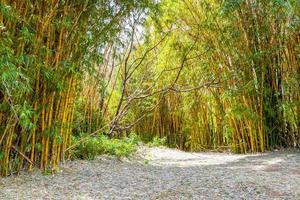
[162, 173]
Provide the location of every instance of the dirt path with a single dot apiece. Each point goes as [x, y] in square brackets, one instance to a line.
[160, 173]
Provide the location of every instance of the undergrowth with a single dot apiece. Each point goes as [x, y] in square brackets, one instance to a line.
[157, 142]
[93, 146]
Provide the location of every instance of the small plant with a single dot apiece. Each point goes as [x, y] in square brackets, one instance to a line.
[146, 162]
[50, 170]
[157, 141]
[133, 139]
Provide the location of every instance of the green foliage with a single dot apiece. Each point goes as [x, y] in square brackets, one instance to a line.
[230, 6]
[157, 142]
[44, 57]
[94, 146]
[236, 43]
[25, 116]
[62, 72]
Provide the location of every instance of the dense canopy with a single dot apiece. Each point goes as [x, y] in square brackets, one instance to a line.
[204, 74]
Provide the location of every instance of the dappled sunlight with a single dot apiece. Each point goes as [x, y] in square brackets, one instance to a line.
[172, 157]
[266, 164]
[168, 174]
[94, 94]
[272, 161]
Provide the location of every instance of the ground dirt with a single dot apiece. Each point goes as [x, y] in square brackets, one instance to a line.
[162, 173]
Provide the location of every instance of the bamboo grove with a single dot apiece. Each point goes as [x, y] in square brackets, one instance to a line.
[45, 48]
[207, 75]
[246, 56]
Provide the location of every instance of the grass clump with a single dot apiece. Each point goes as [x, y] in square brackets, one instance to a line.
[98, 145]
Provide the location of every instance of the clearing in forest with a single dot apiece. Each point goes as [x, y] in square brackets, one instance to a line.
[162, 173]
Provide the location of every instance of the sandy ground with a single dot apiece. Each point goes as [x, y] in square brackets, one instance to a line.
[162, 173]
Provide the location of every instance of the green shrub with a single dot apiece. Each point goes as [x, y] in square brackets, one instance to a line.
[133, 139]
[157, 141]
[98, 145]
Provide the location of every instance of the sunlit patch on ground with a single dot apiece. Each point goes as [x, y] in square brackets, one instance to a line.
[161, 173]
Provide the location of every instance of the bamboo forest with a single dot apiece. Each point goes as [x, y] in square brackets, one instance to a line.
[154, 88]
